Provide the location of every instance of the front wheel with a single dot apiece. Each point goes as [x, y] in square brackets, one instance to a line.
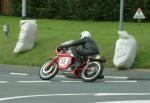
[92, 72]
[47, 72]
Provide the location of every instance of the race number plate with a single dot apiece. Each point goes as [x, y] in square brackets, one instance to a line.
[64, 62]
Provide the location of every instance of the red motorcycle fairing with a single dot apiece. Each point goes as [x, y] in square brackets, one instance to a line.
[64, 61]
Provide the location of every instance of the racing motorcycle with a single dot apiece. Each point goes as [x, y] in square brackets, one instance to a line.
[90, 69]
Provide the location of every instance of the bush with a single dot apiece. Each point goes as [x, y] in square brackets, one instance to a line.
[15, 7]
[80, 9]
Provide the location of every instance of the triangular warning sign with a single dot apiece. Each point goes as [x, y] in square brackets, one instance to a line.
[139, 14]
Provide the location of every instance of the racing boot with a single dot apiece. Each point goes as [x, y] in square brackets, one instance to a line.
[76, 58]
[75, 65]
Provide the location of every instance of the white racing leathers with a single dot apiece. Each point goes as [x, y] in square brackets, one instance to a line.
[125, 51]
[26, 35]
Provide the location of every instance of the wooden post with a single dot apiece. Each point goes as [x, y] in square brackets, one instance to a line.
[5, 8]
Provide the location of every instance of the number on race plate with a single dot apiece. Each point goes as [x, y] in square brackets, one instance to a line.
[63, 61]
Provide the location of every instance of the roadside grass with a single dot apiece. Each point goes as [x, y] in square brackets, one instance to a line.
[53, 32]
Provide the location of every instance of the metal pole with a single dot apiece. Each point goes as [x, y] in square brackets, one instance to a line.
[121, 15]
[23, 9]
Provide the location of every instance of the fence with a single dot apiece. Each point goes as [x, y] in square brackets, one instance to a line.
[4, 7]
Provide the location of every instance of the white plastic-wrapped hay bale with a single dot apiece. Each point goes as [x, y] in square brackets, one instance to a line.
[27, 35]
[125, 51]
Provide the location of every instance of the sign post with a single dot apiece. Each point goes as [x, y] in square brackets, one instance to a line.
[23, 9]
[121, 15]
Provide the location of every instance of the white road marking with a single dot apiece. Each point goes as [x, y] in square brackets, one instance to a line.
[44, 95]
[115, 77]
[42, 81]
[18, 73]
[34, 81]
[60, 76]
[129, 101]
[71, 81]
[106, 77]
[3, 81]
[76, 94]
[120, 94]
[127, 81]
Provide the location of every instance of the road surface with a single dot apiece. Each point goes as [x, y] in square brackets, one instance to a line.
[22, 85]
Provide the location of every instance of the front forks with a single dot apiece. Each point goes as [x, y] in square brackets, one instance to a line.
[51, 61]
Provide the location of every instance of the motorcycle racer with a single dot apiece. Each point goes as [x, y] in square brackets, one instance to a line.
[85, 46]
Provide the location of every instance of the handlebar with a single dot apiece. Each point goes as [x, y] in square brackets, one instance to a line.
[60, 50]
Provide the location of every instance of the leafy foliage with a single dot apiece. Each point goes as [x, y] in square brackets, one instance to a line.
[80, 9]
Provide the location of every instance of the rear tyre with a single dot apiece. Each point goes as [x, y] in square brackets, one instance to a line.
[47, 72]
[92, 72]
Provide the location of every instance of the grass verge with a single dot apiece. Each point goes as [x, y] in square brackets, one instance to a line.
[53, 32]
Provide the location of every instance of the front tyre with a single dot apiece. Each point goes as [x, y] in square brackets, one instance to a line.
[47, 72]
[92, 72]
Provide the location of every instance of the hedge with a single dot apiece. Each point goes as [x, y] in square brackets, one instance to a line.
[80, 9]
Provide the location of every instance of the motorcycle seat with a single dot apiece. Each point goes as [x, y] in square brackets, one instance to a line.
[102, 59]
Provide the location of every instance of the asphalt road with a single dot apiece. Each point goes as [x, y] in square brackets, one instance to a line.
[22, 85]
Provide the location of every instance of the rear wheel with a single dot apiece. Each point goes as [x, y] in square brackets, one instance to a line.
[92, 72]
[47, 72]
